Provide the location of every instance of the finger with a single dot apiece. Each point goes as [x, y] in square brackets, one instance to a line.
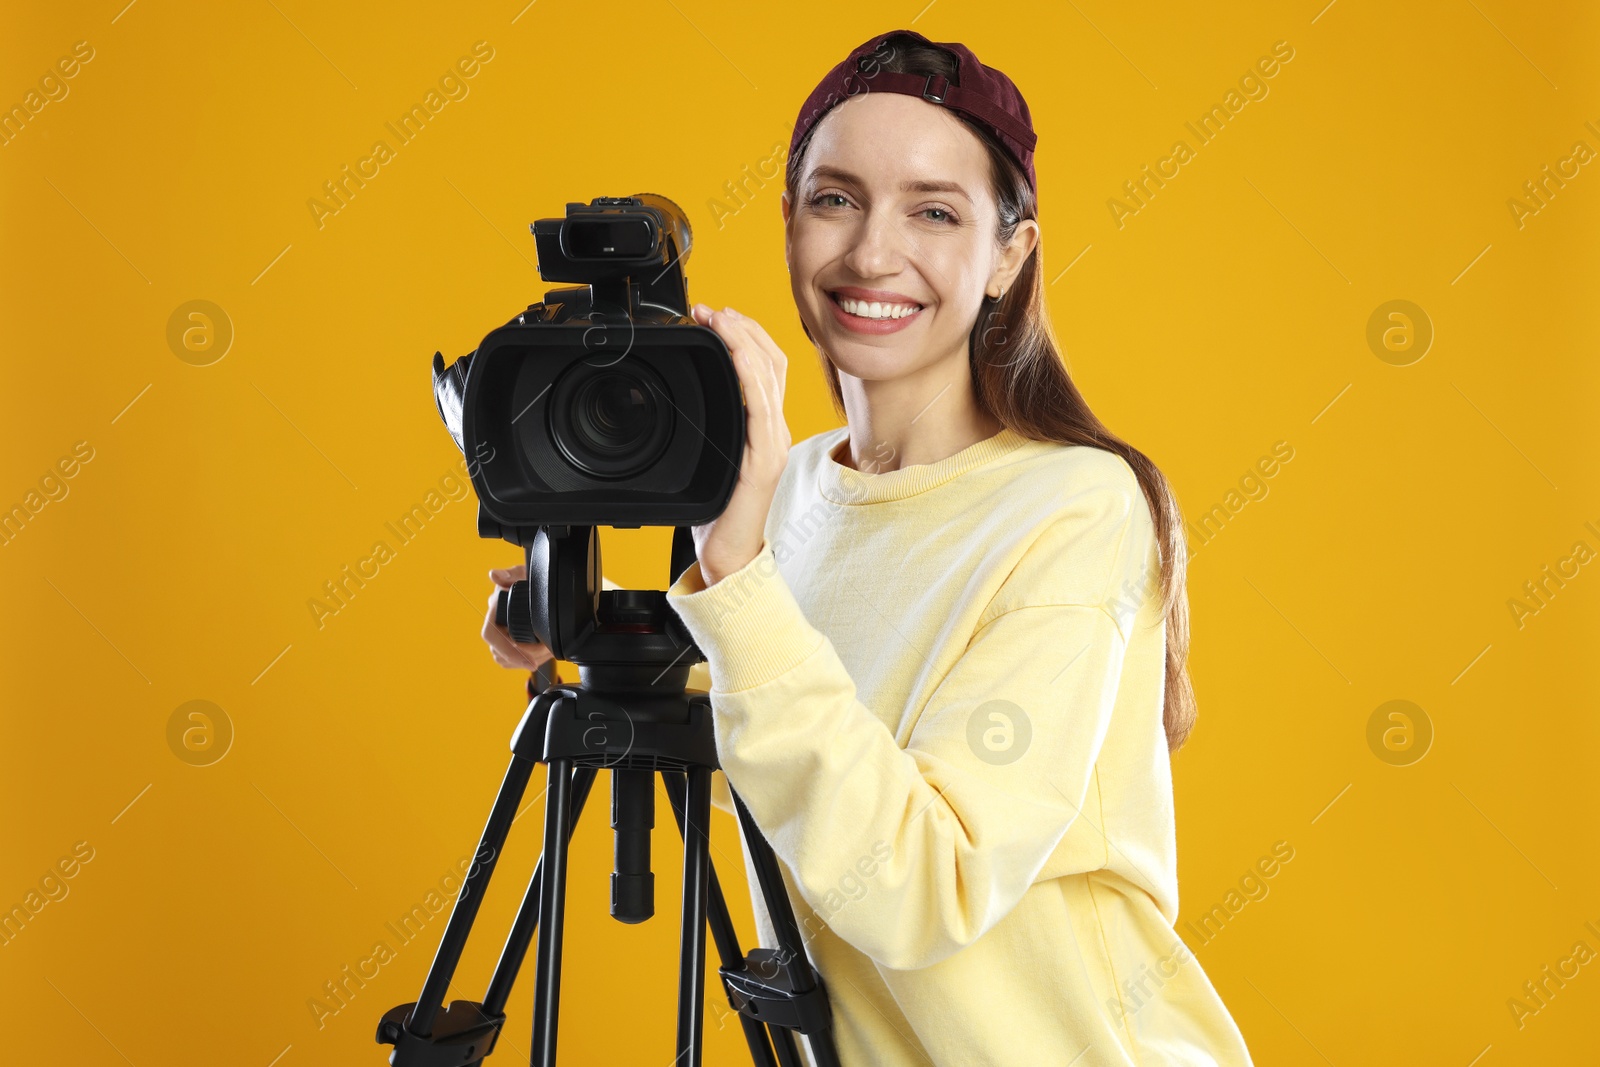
[744, 350]
[775, 427]
[526, 657]
[532, 657]
[769, 437]
[509, 652]
[492, 631]
[764, 339]
[731, 330]
[524, 653]
[521, 663]
[506, 576]
[776, 367]
[505, 659]
[501, 642]
[772, 363]
[743, 344]
[754, 353]
[497, 636]
[766, 447]
[757, 390]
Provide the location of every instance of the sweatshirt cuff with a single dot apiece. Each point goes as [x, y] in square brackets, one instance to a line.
[749, 624]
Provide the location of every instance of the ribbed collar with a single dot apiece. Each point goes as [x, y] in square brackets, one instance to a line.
[846, 485]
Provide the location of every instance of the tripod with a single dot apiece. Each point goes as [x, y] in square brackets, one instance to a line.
[630, 714]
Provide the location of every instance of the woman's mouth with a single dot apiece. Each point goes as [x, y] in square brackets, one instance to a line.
[873, 316]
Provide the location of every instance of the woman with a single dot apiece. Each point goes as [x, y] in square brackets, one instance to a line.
[946, 641]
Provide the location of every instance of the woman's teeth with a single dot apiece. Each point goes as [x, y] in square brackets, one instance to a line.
[875, 310]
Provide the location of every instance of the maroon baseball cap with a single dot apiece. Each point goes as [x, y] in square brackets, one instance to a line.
[980, 92]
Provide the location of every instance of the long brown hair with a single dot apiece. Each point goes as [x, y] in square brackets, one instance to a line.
[1029, 389]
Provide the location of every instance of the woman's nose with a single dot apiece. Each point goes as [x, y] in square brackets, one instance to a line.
[879, 249]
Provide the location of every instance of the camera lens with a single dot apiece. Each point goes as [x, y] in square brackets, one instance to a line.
[610, 422]
[613, 412]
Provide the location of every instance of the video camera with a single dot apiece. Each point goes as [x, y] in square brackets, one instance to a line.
[604, 404]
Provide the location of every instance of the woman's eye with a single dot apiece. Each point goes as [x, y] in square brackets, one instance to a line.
[938, 214]
[817, 201]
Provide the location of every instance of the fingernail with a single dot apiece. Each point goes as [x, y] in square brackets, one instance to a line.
[733, 312]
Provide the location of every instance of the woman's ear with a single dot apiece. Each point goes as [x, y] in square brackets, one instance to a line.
[1013, 255]
[787, 206]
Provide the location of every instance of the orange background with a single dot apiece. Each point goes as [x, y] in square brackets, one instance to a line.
[1227, 314]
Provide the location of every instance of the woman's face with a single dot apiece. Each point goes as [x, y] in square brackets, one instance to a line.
[892, 236]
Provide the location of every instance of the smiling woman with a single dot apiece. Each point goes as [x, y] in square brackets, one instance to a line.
[945, 642]
[935, 664]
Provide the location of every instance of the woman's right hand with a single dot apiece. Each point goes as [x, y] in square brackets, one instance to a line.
[513, 655]
[731, 540]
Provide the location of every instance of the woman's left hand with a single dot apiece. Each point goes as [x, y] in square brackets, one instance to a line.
[733, 539]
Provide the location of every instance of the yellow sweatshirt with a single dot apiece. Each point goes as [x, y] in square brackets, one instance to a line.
[939, 691]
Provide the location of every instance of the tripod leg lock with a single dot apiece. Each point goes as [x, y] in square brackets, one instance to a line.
[462, 1036]
[763, 989]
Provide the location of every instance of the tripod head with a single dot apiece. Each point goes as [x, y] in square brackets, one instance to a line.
[623, 640]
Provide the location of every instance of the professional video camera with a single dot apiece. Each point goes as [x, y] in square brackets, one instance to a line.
[614, 407]
[607, 405]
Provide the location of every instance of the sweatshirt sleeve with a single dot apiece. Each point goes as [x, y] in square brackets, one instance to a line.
[994, 771]
[700, 678]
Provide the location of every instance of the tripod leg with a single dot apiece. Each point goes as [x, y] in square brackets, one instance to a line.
[552, 905]
[723, 933]
[692, 944]
[521, 936]
[465, 910]
[791, 947]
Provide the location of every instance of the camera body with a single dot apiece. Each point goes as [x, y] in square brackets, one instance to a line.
[605, 404]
